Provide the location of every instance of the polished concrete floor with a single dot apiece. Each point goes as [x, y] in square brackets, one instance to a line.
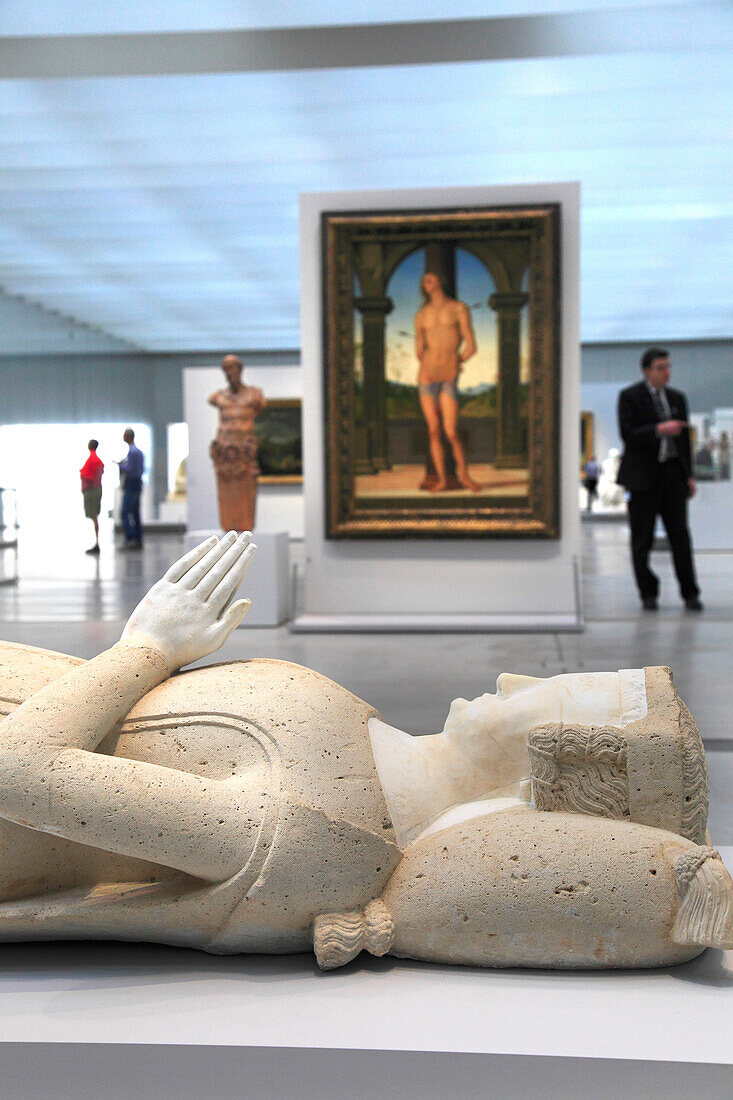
[76, 604]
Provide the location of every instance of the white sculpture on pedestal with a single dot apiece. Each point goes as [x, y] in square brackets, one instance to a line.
[257, 806]
[610, 493]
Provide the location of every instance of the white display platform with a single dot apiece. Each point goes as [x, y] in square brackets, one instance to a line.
[376, 1027]
[8, 561]
[279, 507]
[385, 584]
[436, 624]
[267, 583]
[173, 512]
[711, 516]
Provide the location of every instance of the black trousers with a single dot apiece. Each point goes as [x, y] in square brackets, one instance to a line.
[668, 499]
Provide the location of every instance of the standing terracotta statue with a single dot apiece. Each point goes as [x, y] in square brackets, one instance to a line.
[234, 451]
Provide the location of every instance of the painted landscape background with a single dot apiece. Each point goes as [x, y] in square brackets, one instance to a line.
[407, 434]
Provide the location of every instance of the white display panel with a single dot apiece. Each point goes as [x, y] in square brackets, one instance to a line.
[509, 584]
[279, 507]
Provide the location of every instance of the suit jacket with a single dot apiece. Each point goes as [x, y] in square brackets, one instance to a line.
[637, 419]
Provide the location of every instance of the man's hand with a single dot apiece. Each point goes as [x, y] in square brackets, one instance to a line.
[691, 487]
[671, 427]
[187, 614]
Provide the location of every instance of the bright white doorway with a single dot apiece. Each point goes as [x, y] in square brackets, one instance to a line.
[177, 451]
[42, 462]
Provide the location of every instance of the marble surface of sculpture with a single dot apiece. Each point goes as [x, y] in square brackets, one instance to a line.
[234, 451]
[610, 493]
[259, 807]
[179, 492]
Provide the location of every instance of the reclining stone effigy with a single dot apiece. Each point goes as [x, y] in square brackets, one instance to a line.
[258, 807]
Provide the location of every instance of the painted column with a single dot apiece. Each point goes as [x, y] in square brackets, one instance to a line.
[510, 446]
[373, 313]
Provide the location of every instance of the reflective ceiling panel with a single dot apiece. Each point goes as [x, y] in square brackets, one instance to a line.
[18, 17]
[163, 209]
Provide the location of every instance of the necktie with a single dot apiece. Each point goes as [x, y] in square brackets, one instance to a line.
[668, 445]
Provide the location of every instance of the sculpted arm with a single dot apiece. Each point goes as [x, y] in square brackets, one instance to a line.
[51, 778]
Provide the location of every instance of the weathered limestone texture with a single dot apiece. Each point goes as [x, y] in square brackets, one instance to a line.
[259, 807]
[652, 771]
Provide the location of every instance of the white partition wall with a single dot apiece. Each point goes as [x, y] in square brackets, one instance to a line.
[503, 584]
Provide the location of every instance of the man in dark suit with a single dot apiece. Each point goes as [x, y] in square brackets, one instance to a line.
[656, 468]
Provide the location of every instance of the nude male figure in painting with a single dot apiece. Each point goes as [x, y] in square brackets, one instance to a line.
[444, 341]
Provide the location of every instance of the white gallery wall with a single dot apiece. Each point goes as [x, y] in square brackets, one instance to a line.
[434, 583]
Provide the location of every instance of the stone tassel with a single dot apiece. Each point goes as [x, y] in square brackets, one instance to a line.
[339, 937]
[705, 915]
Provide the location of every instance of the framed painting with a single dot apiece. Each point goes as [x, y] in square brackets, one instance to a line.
[280, 442]
[442, 372]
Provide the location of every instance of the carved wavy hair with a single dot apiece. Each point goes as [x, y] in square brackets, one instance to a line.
[580, 769]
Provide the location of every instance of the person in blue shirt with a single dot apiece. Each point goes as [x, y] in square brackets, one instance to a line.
[591, 474]
[131, 469]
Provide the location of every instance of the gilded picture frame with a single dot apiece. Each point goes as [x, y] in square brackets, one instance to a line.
[442, 372]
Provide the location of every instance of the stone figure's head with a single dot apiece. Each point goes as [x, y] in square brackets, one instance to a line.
[232, 367]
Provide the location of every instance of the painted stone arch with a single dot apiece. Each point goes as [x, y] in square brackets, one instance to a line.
[506, 260]
[375, 262]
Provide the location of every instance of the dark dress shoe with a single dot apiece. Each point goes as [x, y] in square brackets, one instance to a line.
[649, 603]
[92, 550]
[694, 604]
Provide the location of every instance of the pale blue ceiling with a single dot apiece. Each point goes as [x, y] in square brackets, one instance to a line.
[18, 17]
[163, 209]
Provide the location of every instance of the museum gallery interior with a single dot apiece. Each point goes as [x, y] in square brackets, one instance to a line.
[366, 549]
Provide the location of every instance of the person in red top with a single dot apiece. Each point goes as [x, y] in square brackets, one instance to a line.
[91, 489]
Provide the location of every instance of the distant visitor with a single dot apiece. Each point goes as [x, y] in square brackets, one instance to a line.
[131, 470]
[591, 472]
[656, 468]
[91, 490]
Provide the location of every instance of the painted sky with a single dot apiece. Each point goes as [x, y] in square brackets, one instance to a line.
[474, 286]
